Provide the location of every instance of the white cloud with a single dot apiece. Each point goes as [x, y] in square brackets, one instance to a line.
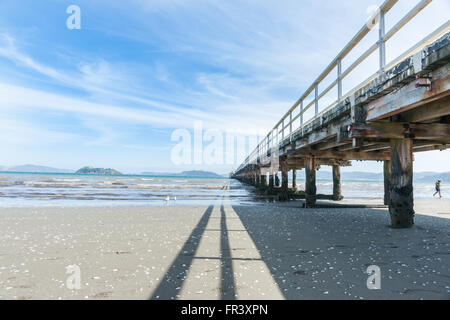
[14, 98]
[15, 133]
[264, 54]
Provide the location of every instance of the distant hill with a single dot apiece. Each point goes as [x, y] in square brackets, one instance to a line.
[91, 170]
[34, 169]
[419, 177]
[201, 174]
[428, 177]
[192, 174]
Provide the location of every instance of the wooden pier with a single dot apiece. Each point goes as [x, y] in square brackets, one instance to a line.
[404, 108]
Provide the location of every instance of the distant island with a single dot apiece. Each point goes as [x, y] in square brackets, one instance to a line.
[324, 175]
[91, 170]
[190, 174]
[34, 169]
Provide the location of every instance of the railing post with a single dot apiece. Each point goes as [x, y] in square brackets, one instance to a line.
[290, 125]
[316, 99]
[272, 139]
[278, 136]
[382, 43]
[301, 115]
[339, 79]
[282, 131]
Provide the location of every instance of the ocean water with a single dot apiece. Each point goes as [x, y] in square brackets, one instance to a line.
[61, 190]
[58, 190]
[375, 189]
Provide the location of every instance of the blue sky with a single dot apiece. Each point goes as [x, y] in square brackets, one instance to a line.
[112, 93]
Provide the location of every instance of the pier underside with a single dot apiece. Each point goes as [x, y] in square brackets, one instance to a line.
[403, 111]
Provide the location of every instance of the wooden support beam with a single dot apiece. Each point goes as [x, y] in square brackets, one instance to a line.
[409, 96]
[375, 156]
[263, 180]
[294, 179]
[284, 196]
[374, 147]
[299, 163]
[323, 134]
[257, 178]
[434, 110]
[401, 202]
[402, 130]
[310, 187]
[346, 147]
[333, 143]
[296, 163]
[431, 148]
[337, 191]
[277, 180]
[351, 147]
[271, 182]
[387, 181]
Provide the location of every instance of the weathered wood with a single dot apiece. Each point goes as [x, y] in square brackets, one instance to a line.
[310, 187]
[428, 112]
[393, 117]
[432, 148]
[271, 183]
[323, 134]
[337, 191]
[257, 178]
[374, 156]
[299, 163]
[333, 143]
[374, 147]
[410, 97]
[401, 130]
[263, 180]
[284, 195]
[387, 181]
[294, 179]
[401, 202]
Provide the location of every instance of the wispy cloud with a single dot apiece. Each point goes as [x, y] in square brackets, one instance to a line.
[237, 64]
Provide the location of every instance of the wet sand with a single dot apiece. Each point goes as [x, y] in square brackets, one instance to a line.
[266, 251]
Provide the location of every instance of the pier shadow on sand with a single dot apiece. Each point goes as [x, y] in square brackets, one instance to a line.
[324, 254]
[170, 286]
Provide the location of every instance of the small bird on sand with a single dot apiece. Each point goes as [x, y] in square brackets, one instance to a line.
[167, 201]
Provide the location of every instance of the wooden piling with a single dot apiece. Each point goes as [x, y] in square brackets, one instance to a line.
[337, 190]
[284, 195]
[401, 202]
[263, 181]
[294, 179]
[310, 187]
[387, 181]
[257, 178]
[271, 185]
[277, 180]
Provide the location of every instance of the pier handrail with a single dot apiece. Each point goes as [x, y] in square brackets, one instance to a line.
[287, 121]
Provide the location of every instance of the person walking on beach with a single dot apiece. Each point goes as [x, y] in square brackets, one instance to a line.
[438, 189]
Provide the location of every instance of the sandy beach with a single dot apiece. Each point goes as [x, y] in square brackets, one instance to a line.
[265, 251]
